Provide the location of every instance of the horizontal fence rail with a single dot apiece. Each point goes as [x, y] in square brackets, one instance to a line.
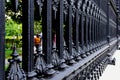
[79, 37]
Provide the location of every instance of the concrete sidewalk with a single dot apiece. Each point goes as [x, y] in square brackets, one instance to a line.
[112, 72]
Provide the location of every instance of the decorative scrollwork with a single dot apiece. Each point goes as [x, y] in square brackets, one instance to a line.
[40, 5]
[55, 58]
[55, 4]
[40, 65]
[92, 10]
[73, 8]
[66, 5]
[56, 61]
[99, 14]
[68, 59]
[41, 68]
[96, 11]
[79, 4]
[88, 8]
[75, 54]
[84, 5]
[15, 72]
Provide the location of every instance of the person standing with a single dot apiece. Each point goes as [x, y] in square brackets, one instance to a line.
[37, 41]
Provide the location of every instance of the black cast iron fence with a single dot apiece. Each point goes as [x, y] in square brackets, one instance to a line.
[87, 34]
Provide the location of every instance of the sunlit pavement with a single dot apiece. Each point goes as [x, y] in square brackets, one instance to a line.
[112, 72]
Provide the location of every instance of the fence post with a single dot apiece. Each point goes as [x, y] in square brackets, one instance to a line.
[2, 39]
[75, 30]
[47, 30]
[59, 31]
[117, 22]
[28, 34]
[108, 28]
[68, 30]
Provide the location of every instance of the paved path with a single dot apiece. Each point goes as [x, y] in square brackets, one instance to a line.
[112, 72]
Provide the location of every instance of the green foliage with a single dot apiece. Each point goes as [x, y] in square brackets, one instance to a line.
[12, 28]
[12, 12]
[37, 27]
[8, 53]
[13, 33]
[16, 16]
